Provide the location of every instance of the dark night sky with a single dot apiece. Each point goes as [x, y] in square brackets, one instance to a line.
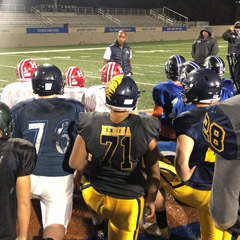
[215, 11]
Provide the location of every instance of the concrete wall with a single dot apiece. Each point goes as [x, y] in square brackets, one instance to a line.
[17, 37]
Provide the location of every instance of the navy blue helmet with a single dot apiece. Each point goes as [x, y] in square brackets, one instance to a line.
[201, 86]
[122, 93]
[47, 80]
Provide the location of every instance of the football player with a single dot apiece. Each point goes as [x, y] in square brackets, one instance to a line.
[190, 179]
[21, 90]
[217, 64]
[164, 94]
[221, 131]
[179, 106]
[94, 97]
[17, 161]
[74, 82]
[49, 123]
[119, 141]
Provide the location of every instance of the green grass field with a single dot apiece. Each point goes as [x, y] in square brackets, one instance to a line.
[148, 62]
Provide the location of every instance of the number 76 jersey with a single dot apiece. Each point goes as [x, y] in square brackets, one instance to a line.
[49, 124]
[221, 128]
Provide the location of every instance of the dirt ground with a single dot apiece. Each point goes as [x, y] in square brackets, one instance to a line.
[80, 225]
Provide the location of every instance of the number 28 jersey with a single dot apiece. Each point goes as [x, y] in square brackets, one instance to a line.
[221, 130]
[117, 151]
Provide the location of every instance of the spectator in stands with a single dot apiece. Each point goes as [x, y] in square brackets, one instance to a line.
[204, 46]
[21, 90]
[120, 53]
[230, 35]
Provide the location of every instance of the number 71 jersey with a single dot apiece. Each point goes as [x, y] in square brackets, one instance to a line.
[117, 150]
[222, 128]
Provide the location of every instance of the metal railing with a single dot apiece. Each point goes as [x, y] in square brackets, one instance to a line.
[41, 17]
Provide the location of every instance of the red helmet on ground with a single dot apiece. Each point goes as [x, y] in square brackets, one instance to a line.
[109, 71]
[25, 69]
[74, 77]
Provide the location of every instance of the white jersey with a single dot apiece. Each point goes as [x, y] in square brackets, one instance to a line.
[94, 99]
[16, 92]
[74, 92]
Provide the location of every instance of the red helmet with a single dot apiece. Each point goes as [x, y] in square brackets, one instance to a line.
[74, 77]
[109, 71]
[25, 69]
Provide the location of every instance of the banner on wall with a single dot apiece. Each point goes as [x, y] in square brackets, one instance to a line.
[117, 29]
[47, 30]
[184, 28]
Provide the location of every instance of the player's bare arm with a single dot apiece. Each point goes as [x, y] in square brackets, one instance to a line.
[78, 159]
[153, 176]
[181, 162]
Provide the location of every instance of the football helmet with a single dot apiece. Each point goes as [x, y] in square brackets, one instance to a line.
[74, 77]
[25, 69]
[201, 85]
[6, 121]
[109, 71]
[122, 93]
[173, 66]
[47, 80]
[187, 67]
[216, 64]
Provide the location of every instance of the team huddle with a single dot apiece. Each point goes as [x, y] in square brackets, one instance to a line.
[54, 131]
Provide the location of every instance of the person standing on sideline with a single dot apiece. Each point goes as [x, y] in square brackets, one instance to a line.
[204, 46]
[118, 144]
[17, 161]
[49, 123]
[231, 35]
[120, 53]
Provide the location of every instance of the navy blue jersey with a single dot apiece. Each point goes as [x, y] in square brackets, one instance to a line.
[17, 158]
[50, 125]
[163, 95]
[191, 124]
[117, 151]
[221, 130]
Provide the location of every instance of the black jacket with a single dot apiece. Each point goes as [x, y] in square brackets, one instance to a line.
[231, 37]
[204, 47]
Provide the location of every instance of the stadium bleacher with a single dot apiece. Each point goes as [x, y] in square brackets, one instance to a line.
[60, 15]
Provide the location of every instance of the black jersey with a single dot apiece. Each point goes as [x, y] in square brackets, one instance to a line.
[190, 123]
[117, 151]
[49, 125]
[17, 158]
[221, 129]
